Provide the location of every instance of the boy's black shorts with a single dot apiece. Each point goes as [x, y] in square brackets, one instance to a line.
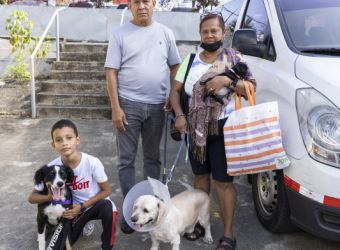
[215, 162]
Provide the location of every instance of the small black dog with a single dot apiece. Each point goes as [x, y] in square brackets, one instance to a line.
[237, 72]
[55, 180]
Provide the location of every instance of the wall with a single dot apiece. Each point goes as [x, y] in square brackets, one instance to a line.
[93, 25]
[96, 24]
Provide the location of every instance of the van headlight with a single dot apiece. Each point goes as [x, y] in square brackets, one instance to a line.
[319, 121]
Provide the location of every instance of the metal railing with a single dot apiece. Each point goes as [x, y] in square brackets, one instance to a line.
[35, 51]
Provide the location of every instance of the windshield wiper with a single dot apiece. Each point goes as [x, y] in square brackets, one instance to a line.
[327, 51]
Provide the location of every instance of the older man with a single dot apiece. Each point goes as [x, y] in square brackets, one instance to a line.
[138, 58]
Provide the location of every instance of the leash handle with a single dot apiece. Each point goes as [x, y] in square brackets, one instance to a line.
[164, 177]
[188, 146]
[168, 176]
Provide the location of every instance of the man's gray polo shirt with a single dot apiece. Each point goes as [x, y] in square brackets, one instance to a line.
[143, 56]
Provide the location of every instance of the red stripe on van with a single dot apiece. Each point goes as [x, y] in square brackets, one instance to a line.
[292, 184]
[331, 201]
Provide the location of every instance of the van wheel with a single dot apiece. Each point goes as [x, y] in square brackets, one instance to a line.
[271, 203]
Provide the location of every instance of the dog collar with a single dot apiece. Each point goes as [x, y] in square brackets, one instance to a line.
[65, 202]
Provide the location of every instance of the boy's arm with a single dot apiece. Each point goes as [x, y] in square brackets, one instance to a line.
[105, 192]
[36, 198]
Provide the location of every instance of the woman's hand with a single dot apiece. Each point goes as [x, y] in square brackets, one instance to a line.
[217, 83]
[181, 124]
[73, 212]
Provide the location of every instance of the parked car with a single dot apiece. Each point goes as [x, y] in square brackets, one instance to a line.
[122, 6]
[184, 9]
[29, 2]
[82, 4]
[293, 49]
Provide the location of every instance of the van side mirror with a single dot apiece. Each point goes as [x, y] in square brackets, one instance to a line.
[245, 41]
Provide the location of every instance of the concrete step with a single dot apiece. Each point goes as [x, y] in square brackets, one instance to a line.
[76, 87]
[83, 47]
[78, 66]
[76, 75]
[73, 86]
[82, 56]
[86, 99]
[74, 112]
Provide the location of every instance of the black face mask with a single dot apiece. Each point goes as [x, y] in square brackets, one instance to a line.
[211, 47]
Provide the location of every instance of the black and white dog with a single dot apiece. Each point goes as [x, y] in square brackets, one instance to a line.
[54, 180]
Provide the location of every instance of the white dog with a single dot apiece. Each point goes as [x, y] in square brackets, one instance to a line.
[171, 220]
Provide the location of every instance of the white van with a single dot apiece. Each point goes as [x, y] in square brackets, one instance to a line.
[293, 50]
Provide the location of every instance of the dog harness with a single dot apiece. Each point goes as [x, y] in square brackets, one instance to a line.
[65, 202]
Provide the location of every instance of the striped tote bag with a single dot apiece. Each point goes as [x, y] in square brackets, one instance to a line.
[252, 137]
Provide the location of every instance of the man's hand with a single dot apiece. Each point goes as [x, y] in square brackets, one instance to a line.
[119, 119]
[73, 212]
[167, 106]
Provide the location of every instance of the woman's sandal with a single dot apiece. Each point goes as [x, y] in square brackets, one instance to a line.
[226, 244]
[196, 234]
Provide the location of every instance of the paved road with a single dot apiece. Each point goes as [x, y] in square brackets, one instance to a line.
[25, 146]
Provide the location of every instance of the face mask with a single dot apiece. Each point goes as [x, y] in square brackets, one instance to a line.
[211, 47]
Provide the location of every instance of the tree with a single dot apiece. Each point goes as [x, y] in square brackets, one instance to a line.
[20, 29]
[21, 40]
[203, 4]
[167, 4]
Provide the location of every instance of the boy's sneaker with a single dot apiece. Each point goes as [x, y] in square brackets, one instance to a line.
[125, 227]
[88, 228]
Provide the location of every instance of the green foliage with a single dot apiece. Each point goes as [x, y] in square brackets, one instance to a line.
[21, 39]
[203, 4]
[19, 69]
[20, 29]
[44, 48]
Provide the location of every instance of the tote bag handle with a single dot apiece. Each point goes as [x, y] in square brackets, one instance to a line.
[250, 92]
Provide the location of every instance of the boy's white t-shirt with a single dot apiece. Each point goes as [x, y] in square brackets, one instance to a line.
[87, 175]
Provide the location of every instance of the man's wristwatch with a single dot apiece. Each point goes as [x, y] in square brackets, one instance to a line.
[82, 207]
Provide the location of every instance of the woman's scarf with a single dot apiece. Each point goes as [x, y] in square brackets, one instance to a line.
[204, 112]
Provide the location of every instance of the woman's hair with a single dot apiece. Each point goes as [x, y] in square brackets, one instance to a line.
[64, 123]
[208, 16]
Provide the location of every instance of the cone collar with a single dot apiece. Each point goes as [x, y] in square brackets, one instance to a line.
[148, 187]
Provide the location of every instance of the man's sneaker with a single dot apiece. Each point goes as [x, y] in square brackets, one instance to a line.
[125, 227]
[88, 228]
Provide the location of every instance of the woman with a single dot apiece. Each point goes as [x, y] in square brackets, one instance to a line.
[208, 111]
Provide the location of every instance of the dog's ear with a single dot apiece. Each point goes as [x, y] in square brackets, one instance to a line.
[70, 175]
[39, 175]
[161, 211]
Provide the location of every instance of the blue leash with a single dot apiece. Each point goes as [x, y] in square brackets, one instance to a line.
[168, 176]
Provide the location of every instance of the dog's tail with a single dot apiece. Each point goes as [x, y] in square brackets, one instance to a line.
[186, 185]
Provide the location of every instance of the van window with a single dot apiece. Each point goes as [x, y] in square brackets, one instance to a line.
[230, 12]
[256, 18]
[312, 24]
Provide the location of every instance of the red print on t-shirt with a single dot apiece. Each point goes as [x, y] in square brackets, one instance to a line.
[80, 184]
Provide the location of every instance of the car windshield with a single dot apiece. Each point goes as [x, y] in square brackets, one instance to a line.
[312, 25]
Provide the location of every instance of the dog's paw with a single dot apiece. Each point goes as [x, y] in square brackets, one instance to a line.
[208, 240]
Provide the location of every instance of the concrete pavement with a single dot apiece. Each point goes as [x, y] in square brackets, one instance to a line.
[25, 146]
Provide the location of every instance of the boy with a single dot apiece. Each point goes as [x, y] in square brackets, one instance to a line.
[90, 188]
